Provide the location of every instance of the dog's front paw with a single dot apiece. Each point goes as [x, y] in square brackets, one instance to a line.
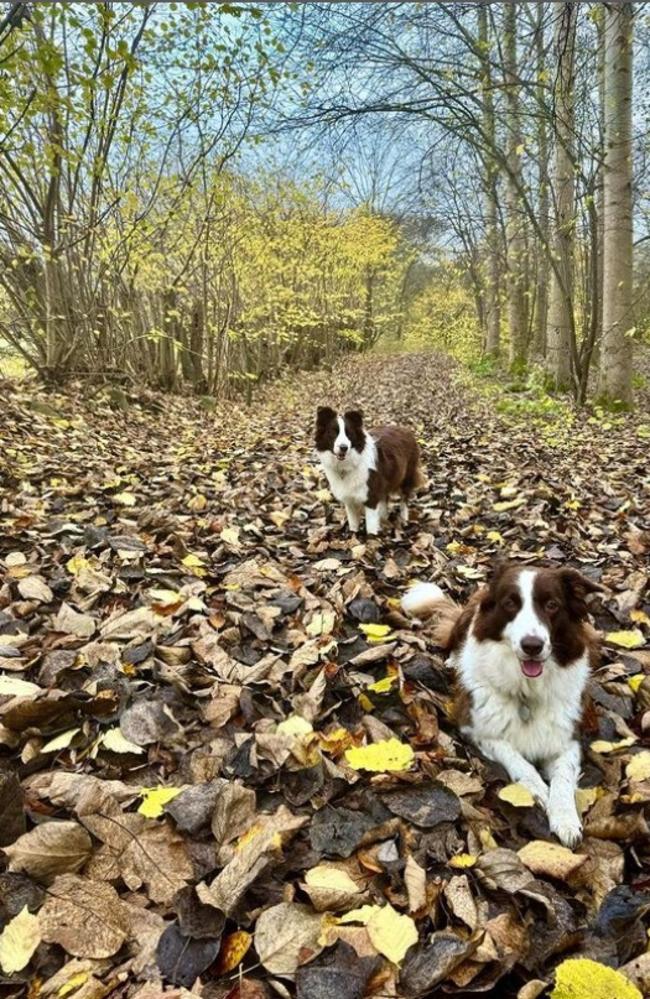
[566, 825]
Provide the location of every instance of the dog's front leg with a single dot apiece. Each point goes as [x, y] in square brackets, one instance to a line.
[373, 520]
[563, 773]
[518, 768]
[353, 512]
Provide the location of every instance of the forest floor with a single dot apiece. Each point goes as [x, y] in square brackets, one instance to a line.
[183, 609]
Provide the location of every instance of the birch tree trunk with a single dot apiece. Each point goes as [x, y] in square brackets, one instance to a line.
[616, 354]
[543, 270]
[515, 235]
[492, 269]
[561, 329]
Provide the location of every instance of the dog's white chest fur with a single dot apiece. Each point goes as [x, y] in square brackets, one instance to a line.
[536, 716]
[348, 480]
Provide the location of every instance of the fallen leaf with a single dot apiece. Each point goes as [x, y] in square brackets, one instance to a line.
[602, 746]
[541, 857]
[581, 978]
[286, 936]
[12, 686]
[234, 948]
[463, 860]
[390, 754]
[154, 800]
[391, 933]
[18, 941]
[35, 588]
[632, 639]
[375, 632]
[49, 849]
[113, 740]
[517, 795]
[84, 917]
[639, 766]
[72, 622]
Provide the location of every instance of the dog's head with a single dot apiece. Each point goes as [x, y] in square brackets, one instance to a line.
[539, 613]
[343, 435]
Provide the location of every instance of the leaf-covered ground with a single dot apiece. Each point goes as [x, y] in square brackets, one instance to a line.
[195, 657]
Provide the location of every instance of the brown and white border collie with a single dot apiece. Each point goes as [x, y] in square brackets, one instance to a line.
[364, 467]
[522, 649]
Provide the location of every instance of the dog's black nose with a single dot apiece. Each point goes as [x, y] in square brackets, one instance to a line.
[531, 645]
[343, 449]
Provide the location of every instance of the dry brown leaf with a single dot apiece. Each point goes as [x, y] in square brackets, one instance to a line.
[50, 849]
[84, 917]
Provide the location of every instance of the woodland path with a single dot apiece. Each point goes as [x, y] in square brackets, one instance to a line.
[177, 585]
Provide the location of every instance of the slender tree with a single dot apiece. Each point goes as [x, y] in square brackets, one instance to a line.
[616, 354]
[515, 235]
[492, 305]
[561, 330]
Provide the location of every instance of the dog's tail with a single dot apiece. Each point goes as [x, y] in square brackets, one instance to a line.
[425, 600]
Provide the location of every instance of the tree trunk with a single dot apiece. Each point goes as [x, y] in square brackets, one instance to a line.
[543, 269]
[616, 356]
[561, 329]
[492, 305]
[515, 236]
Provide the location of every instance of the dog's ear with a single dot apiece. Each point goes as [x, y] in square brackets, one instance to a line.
[354, 417]
[577, 588]
[488, 595]
[323, 415]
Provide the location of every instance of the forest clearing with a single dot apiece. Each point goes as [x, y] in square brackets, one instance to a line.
[230, 766]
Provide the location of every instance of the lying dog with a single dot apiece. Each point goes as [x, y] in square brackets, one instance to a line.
[522, 649]
[364, 468]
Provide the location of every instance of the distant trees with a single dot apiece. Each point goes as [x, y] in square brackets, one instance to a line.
[514, 87]
[493, 146]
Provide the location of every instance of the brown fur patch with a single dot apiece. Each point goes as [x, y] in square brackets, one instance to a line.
[398, 457]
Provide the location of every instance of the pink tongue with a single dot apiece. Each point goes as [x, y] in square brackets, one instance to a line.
[531, 667]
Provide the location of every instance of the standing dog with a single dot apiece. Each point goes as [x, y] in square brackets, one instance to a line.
[364, 468]
[522, 649]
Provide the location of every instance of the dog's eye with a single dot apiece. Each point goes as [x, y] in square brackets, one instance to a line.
[552, 606]
[511, 604]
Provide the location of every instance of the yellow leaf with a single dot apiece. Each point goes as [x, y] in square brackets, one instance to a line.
[508, 492]
[581, 978]
[541, 857]
[518, 795]
[632, 639]
[586, 797]
[602, 746]
[494, 536]
[634, 682]
[391, 933]
[640, 617]
[75, 564]
[321, 623]
[73, 983]
[488, 841]
[463, 860]
[279, 518]
[454, 547]
[384, 685]
[375, 631]
[231, 536]
[361, 915]
[60, 742]
[165, 598]
[192, 561]
[391, 754]
[113, 740]
[124, 499]
[520, 149]
[197, 503]
[18, 941]
[639, 766]
[330, 878]
[508, 504]
[294, 725]
[234, 948]
[154, 800]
